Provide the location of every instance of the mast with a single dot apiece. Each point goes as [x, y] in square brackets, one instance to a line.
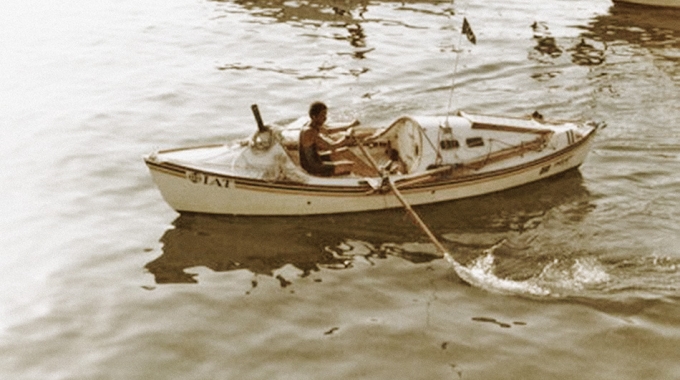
[467, 30]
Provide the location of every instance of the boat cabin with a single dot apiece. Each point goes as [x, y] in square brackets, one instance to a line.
[416, 144]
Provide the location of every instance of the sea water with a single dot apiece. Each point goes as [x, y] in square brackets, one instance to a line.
[576, 277]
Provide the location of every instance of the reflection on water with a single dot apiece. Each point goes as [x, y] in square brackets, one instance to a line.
[225, 243]
[75, 242]
[323, 10]
[545, 42]
[303, 11]
[345, 21]
[626, 27]
[644, 26]
[264, 244]
[547, 48]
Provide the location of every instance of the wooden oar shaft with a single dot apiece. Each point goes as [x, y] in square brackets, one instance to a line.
[369, 157]
[417, 219]
[405, 203]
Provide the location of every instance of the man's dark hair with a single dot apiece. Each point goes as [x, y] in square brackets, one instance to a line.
[316, 108]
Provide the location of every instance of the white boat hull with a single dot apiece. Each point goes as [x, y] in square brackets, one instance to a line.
[187, 189]
[654, 3]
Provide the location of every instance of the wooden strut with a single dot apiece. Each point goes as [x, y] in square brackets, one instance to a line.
[414, 216]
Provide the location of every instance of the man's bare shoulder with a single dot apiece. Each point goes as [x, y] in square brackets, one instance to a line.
[307, 135]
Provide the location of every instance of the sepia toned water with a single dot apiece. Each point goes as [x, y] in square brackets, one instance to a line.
[576, 277]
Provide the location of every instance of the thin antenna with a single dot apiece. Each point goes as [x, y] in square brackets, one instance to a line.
[455, 69]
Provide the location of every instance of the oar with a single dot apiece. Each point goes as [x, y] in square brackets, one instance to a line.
[405, 203]
[462, 272]
[417, 219]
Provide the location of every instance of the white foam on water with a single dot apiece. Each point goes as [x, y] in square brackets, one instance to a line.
[560, 277]
[480, 274]
[583, 272]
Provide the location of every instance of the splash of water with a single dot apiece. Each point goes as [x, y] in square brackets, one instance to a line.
[575, 276]
[558, 278]
[480, 273]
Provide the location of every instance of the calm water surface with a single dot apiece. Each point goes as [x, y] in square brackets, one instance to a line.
[577, 277]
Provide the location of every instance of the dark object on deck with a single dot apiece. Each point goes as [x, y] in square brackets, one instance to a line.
[260, 125]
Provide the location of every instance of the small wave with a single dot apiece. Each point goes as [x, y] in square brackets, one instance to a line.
[480, 274]
[573, 275]
[503, 269]
[647, 274]
[561, 277]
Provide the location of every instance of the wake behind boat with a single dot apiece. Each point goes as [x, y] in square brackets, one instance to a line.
[428, 159]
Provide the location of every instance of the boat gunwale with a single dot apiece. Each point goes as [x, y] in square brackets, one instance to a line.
[363, 187]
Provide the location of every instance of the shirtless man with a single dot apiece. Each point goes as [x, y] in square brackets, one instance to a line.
[318, 151]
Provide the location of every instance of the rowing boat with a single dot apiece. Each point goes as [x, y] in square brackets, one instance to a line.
[440, 158]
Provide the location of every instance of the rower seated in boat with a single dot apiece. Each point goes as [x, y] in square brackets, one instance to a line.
[319, 154]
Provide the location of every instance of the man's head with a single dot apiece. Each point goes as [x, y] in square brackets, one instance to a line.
[317, 114]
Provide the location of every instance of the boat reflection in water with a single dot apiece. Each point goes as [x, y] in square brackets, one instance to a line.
[262, 245]
[650, 3]
[345, 19]
[643, 26]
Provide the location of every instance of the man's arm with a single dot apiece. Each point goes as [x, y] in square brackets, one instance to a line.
[339, 127]
[326, 142]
